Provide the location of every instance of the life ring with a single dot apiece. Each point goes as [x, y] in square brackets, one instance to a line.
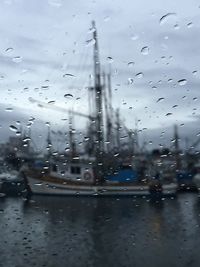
[87, 176]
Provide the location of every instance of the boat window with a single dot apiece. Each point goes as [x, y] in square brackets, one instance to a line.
[54, 168]
[75, 170]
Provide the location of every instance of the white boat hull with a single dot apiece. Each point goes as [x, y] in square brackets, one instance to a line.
[38, 186]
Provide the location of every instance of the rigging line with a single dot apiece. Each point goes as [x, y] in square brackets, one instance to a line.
[82, 67]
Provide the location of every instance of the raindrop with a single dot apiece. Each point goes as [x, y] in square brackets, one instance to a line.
[17, 59]
[190, 25]
[194, 98]
[168, 114]
[51, 102]
[145, 50]
[174, 106]
[166, 17]
[160, 99]
[13, 128]
[18, 133]
[139, 75]
[38, 184]
[170, 80]
[68, 75]
[182, 82]
[130, 80]
[176, 27]
[194, 72]
[68, 95]
[45, 87]
[131, 64]
[90, 42]
[9, 49]
[110, 59]
[9, 109]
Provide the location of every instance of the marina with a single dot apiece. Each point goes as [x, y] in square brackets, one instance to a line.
[100, 136]
[89, 231]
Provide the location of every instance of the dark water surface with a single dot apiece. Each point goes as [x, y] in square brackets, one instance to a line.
[55, 231]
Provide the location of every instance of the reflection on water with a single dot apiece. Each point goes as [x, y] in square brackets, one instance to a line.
[72, 231]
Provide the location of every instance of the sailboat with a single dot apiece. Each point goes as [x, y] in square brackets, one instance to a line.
[79, 176]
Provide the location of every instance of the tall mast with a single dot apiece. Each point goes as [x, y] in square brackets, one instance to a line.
[118, 130]
[98, 102]
[177, 148]
[72, 143]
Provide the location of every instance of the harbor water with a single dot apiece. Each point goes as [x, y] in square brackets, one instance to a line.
[83, 231]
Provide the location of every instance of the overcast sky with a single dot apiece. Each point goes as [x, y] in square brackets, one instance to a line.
[43, 40]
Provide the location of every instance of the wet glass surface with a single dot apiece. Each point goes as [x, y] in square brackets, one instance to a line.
[72, 231]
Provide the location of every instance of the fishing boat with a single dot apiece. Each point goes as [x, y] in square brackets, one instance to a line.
[79, 179]
[102, 176]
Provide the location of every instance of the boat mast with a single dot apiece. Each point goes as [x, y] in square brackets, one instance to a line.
[177, 148]
[98, 107]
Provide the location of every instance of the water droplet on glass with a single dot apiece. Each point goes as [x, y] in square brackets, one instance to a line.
[110, 59]
[176, 27]
[160, 99]
[190, 25]
[168, 114]
[195, 98]
[51, 102]
[13, 128]
[182, 82]
[68, 95]
[131, 64]
[130, 80]
[90, 42]
[68, 75]
[145, 50]
[9, 49]
[139, 75]
[174, 106]
[9, 109]
[194, 72]
[166, 17]
[17, 59]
